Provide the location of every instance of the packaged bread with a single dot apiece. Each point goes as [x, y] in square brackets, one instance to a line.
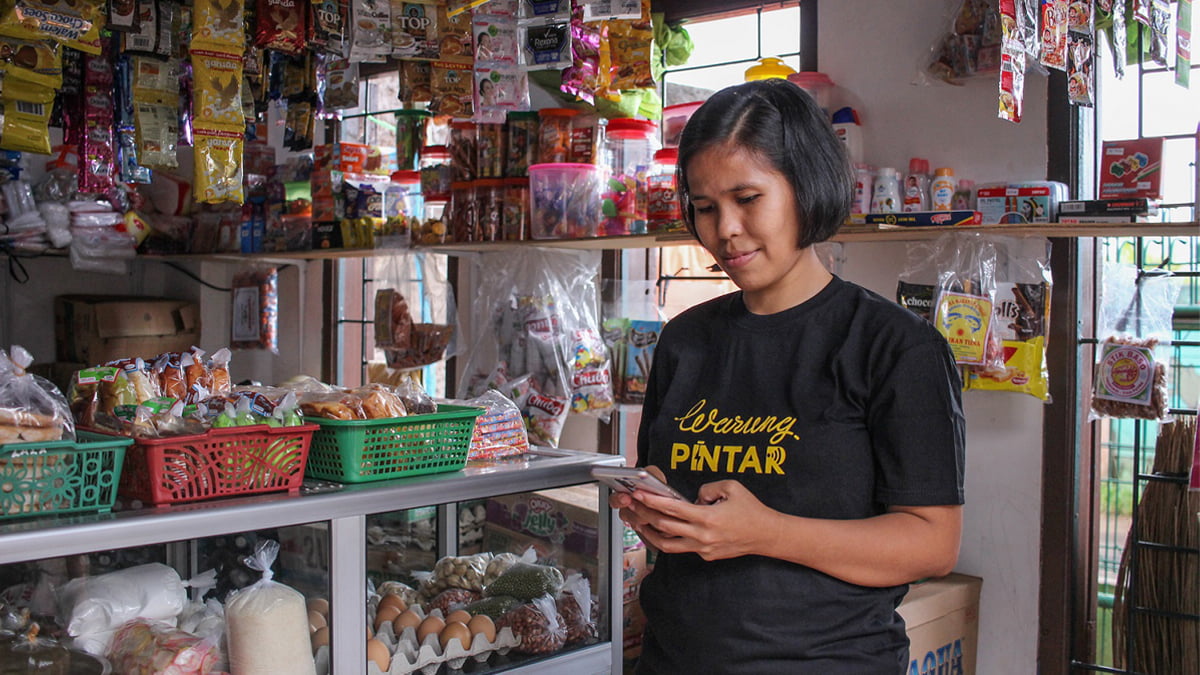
[32, 409]
[378, 402]
[266, 623]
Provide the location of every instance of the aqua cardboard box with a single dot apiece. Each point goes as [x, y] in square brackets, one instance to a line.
[942, 617]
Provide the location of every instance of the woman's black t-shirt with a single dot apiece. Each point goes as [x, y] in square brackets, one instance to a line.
[835, 408]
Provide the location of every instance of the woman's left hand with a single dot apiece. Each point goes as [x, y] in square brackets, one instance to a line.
[726, 522]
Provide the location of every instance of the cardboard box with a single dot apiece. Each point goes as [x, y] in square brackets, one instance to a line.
[1131, 169]
[565, 516]
[93, 329]
[942, 616]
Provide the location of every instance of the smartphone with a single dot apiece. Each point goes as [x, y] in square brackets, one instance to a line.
[628, 479]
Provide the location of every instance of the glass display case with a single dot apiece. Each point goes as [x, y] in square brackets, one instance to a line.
[342, 542]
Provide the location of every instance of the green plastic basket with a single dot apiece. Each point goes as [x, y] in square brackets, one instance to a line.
[358, 451]
[60, 476]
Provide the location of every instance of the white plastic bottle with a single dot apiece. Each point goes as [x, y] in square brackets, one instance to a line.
[885, 197]
[864, 180]
[941, 190]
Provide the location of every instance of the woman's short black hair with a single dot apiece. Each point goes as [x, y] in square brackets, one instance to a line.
[781, 122]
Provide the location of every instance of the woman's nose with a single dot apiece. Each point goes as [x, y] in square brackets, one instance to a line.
[729, 223]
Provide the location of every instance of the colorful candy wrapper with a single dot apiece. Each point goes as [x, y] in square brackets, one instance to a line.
[218, 163]
[495, 40]
[1020, 318]
[280, 25]
[36, 61]
[1012, 64]
[591, 374]
[452, 89]
[545, 46]
[640, 343]
[1183, 43]
[217, 25]
[589, 74]
[1080, 78]
[77, 25]
[1054, 22]
[217, 88]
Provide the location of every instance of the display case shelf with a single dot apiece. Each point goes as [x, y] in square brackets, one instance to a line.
[345, 508]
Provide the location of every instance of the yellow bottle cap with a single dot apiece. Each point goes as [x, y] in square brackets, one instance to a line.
[769, 67]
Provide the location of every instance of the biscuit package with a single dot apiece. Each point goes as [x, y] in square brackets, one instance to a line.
[32, 409]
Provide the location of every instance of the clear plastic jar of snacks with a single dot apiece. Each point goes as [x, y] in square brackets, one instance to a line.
[628, 153]
[554, 134]
[432, 230]
[662, 207]
[515, 221]
[460, 214]
[489, 209]
[464, 154]
[521, 148]
[436, 173]
[489, 150]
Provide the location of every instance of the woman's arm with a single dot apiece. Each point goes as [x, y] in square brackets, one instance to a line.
[898, 547]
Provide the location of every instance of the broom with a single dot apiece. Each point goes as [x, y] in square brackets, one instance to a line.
[1167, 580]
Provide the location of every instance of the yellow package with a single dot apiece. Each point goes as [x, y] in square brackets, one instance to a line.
[73, 26]
[217, 24]
[25, 125]
[216, 88]
[37, 61]
[218, 163]
[630, 50]
[1024, 370]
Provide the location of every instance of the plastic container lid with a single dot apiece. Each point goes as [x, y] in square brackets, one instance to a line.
[681, 109]
[414, 113]
[768, 68]
[522, 114]
[489, 182]
[888, 171]
[406, 176]
[626, 128]
[462, 185]
[558, 112]
[578, 167]
[667, 156]
[517, 181]
[462, 124]
[918, 165]
[809, 79]
[944, 171]
[438, 151]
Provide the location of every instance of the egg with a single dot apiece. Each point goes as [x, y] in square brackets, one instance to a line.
[455, 629]
[378, 652]
[319, 605]
[483, 623]
[316, 620]
[432, 625]
[385, 615]
[408, 618]
[392, 600]
[320, 638]
[460, 615]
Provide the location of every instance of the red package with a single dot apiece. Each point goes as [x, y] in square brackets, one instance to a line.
[281, 25]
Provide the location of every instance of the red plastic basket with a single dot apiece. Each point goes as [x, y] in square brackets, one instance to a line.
[220, 463]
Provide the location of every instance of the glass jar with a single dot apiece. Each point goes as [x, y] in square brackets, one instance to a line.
[515, 220]
[410, 136]
[463, 152]
[521, 146]
[432, 230]
[460, 214]
[489, 149]
[554, 135]
[489, 209]
[663, 213]
[628, 153]
[401, 210]
[436, 173]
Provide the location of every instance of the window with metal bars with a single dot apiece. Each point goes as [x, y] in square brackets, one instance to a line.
[1141, 599]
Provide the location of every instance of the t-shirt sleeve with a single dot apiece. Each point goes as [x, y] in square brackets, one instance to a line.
[917, 428]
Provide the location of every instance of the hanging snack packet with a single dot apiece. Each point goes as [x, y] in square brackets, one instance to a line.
[1012, 65]
[281, 26]
[1183, 43]
[452, 89]
[25, 117]
[640, 343]
[546, 10]
[499, 91]
[1080, 79]
[454, 37]
[217, 88]
[157, 135]
[416, 83]
[545, 46]
[218, 163]
[1054, 21]
[341, 83]
[630, 48]
[325, 27]
[217, 25]
[591, 373]
[495, 40]
[256, 310]
[609, 10]
[414, 29]
[36, 61]
[370, 31]
[1135, 326]
[963, 308]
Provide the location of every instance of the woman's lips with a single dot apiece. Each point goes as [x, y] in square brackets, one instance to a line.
[737, 259]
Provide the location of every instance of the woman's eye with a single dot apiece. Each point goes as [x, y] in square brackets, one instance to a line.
[703, 209]
[747, 199]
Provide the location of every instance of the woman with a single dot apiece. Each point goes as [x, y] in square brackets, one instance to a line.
[816, 426]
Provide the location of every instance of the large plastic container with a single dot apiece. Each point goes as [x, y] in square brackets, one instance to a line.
[675, 118]
[818, 85]
[629, 146]
[564, 200]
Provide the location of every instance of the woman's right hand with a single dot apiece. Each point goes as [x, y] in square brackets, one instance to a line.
[621, 501]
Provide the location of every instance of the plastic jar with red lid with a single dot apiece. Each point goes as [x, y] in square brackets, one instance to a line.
[554, 135]
[628, 154]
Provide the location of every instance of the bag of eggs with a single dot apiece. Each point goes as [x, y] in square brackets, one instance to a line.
[266, 623]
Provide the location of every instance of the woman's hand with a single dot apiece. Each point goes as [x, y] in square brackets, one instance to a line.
[726, 522]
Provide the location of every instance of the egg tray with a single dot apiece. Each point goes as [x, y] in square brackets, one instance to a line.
[410, 656]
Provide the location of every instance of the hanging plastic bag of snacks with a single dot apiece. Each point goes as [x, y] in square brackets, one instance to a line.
[255, 320]
[962, 310]
[1134, 329]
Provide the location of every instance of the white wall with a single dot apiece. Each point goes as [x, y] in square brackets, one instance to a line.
[873, 51]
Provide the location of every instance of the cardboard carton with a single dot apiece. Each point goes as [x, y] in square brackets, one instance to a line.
[942, 616]
[565, 516]
[93, 329]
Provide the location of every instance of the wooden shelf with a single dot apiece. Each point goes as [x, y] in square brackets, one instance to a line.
[848, 233]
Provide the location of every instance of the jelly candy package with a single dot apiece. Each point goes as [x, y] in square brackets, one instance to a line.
[962, 310]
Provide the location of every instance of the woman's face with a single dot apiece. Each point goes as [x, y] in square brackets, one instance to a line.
[745, 216]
